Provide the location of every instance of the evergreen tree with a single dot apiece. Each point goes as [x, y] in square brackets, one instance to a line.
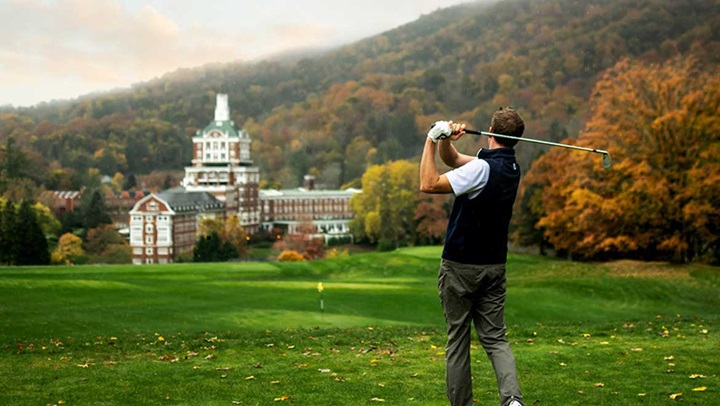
[208, 248]
[130, 182]
[8, 237]
[212, 248]
[31, 237]
[2, 234]
[96, 212]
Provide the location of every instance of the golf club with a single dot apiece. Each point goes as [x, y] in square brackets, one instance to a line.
[606, 162]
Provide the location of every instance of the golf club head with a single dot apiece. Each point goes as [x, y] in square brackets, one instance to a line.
[606, 162]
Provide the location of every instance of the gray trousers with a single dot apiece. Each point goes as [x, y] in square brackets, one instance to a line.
[475, 293]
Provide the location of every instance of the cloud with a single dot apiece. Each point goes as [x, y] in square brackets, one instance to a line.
[100, 43]
[64, 48]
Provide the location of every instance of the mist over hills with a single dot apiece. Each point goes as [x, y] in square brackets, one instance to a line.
[335, 112]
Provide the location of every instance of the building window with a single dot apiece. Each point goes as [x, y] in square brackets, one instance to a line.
[149, 261]
[136, 234]
[149, 228]
[137, 251]
[149, 251]
[148, 239]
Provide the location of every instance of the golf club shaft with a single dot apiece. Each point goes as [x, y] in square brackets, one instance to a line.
[553, 144]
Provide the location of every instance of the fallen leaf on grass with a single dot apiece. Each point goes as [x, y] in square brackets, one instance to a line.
[599, 385]
[700, 389]
[324, 370]
[696, 376]
[281, 398]
[674, 396]
[377, 400]
[249, 378]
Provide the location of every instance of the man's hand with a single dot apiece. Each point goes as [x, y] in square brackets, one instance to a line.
[457, 131]
[440, 130]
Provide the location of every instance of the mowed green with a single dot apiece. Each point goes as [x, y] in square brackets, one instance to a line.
[621, 333]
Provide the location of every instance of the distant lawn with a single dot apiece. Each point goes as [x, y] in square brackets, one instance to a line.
[623, 333]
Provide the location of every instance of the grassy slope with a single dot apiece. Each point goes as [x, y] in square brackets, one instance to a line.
[196, 333]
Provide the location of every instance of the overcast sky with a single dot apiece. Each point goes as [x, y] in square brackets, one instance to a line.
[62, 49]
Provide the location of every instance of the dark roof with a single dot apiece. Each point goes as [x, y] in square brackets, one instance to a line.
[180, 200]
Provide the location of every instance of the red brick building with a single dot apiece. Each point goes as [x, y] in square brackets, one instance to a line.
[164, 225]
[222, 180]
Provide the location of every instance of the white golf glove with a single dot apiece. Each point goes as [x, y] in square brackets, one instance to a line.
[439, 131]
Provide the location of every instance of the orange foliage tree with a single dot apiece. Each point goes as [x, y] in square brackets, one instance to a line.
[661, 199]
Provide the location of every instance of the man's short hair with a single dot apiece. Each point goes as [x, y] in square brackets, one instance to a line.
[507, 121]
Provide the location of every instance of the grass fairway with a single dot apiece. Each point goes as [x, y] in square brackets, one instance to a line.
[623, 333]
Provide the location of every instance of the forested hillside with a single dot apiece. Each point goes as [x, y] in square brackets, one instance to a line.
[369, 102]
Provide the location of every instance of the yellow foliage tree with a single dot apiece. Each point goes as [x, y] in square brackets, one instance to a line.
[69, 248]
[661, 199]
[385, 210]
[290, 256]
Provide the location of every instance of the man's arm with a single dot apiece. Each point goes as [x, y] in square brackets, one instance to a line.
[430, 180]
[449, 155]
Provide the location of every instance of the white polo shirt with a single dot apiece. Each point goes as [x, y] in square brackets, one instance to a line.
[470, 178]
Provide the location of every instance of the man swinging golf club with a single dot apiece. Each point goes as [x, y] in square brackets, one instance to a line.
[471, 280]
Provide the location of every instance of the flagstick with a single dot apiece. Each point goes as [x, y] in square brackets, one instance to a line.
[322, 299]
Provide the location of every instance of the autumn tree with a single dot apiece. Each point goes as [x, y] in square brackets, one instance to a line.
[385, 210]
[69, 250]
[661, 199]
[105, 245]
[303, 241]
[431, 215]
